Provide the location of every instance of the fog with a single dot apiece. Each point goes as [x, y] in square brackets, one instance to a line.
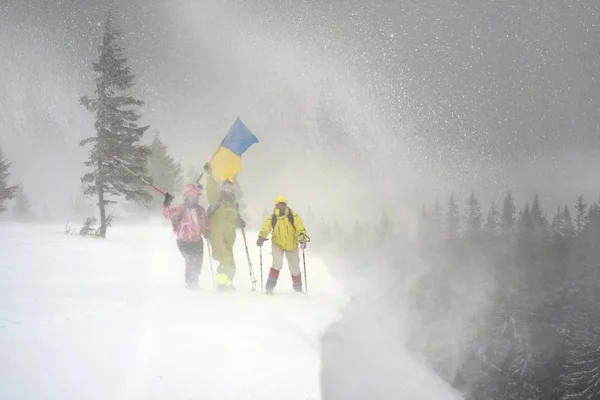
[407, 92]
[360, 107]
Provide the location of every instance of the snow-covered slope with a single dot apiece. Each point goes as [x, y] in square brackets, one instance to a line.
[109, 319]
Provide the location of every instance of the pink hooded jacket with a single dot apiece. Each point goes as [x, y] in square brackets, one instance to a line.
[193, 224]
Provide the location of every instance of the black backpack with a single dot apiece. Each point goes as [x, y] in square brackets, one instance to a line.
[274, 219]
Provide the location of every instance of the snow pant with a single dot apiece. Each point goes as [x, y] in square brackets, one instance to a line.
[222, 242]
[293, 259]
[193, 254]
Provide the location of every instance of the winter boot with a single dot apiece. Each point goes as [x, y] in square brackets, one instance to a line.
[297, 283]
[271, 281]
[192, 284]
[224, 283]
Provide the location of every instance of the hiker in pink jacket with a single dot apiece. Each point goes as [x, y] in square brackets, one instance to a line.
[190, 223]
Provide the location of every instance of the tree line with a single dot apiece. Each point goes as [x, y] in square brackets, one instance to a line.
[503, 304]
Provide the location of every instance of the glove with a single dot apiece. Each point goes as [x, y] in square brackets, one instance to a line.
[260, 241]
[241, 223]
[207, 168]
[303, 241]
[168, 199]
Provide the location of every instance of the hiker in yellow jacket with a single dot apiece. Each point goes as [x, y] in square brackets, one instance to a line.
[288, 232]
[224, 218]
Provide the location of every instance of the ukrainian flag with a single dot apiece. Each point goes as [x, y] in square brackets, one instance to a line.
[227, 160]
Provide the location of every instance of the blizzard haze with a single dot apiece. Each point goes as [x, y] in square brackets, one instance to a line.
[365, 112]
[336, 92]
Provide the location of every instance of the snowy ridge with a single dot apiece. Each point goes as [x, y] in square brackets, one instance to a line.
[93, 319]
[110, 320]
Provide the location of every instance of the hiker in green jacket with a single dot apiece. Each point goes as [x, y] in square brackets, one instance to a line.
[224, 218]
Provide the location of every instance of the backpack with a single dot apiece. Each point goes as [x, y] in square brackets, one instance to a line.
[176, 221]
[274, 219]
[210, 212]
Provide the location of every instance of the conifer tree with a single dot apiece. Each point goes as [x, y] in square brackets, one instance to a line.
[166, 173]
[452, 219]
[473, 216]
[581, 218]
[508, 213]
[492, 221]
[118, 135]
[6, 192]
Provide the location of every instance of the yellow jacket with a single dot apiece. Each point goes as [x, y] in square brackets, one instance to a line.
[285, 235]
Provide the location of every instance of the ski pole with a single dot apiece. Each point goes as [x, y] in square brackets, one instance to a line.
[198, 180]
[305, 276]
[120, 163]
[261, 269]
[306, 240]
[212, 273]
[252, 279]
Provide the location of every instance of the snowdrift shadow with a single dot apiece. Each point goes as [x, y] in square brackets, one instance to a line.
[361, 360]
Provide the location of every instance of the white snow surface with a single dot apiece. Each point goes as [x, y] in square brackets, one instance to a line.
[84, 318]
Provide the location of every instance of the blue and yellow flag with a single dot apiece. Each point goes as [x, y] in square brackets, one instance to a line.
[227, 160]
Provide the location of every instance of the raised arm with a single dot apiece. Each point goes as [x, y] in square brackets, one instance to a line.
[170, 212]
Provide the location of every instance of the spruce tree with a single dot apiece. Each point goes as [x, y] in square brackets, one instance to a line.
[473, 216]
[452, 219]
[384, 230]
[166, 173]
[508, 213]
[568, 229]
[118, 135]
[6, 192]
[22, 209]
[437, 225]
[557, 226]
[436, 214]
[581, 218]
[492, 223]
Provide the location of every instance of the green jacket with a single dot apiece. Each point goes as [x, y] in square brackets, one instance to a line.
[223, 215]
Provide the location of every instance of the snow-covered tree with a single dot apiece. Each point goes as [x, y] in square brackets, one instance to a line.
[557, 225]
[508, 213]
[568, 229]
[166, 173]
[22, 209]
[473, 216]
[118, 134]
[492, 222]
[581, 218]
[436, 215]
[384, 231]
[452, 219]
[6, 192]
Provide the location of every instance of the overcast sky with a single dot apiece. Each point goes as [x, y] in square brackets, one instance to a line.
[364, 104]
